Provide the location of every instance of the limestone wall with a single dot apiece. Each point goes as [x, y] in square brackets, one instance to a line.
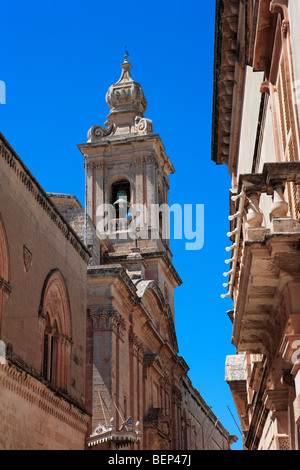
[200, 428]
[39, 242]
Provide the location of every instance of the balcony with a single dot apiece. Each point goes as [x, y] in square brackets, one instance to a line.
[264, 275]
[125, 436]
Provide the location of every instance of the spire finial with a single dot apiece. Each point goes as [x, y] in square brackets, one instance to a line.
[126, 53]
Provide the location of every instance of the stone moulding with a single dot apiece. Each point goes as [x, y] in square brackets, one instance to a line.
[33, 391]
[226, 55]
[118, 270]
[23, 174]
[136, 345]
[113, 270]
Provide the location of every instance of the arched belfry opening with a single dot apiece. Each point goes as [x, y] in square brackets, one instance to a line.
[121, 197]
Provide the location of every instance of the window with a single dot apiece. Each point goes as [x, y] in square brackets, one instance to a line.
[4, 266]
[56, 347]
[50, 359]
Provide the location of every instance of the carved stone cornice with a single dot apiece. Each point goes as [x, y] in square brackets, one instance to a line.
[276, 400]
[272, 173]
[27, 179]
[226, 60]
[114, 270]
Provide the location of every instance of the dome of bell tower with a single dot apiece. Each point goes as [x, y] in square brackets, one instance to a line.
[127, 104]
[126, 96]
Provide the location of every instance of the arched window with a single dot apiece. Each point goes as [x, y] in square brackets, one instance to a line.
[4, 266]
[56, 348]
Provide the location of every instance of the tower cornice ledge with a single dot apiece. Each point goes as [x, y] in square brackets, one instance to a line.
[101, 148]
[117, 258]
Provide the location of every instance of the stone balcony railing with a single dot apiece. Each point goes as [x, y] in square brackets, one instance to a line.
[247, 221]
[271, 181]
[120, 225]
[265, 260]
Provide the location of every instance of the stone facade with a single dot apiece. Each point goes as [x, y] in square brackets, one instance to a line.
[256, 133]
[42, 317]
[201, 429]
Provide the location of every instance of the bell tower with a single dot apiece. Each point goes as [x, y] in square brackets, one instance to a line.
[132, 349]
[127, 183]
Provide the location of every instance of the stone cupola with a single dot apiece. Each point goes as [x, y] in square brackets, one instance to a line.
[125, 99]
[127, 104]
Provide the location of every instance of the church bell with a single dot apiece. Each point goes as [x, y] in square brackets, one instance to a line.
[121, 198]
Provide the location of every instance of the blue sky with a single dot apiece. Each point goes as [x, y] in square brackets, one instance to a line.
[58, 59]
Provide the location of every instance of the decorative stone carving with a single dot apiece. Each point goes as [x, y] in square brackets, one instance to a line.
[108, 319]
[143, 125]
[136, 344]
[94, 166]
[176, 394]
[97, 132]
[283, 442]
[126, 93]
[5, 286]
[27, 258]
